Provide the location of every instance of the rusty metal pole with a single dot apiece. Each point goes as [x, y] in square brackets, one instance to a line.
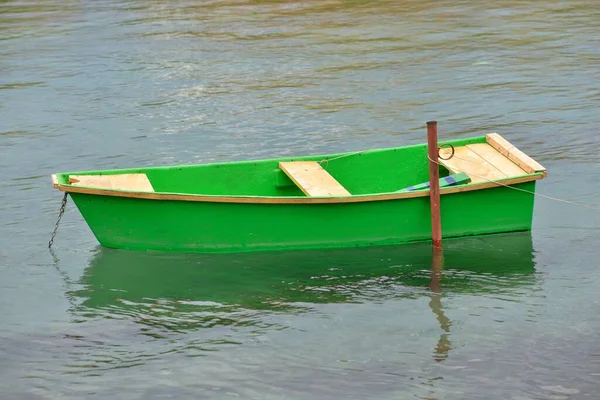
[434, 184]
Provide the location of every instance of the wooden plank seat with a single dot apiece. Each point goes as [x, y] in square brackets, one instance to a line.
[484, 162]
[130, 182]
[312, 179]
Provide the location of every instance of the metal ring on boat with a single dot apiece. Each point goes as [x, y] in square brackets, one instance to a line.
[451, 154]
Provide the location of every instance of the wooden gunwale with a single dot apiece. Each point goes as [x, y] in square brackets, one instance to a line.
[293, 200]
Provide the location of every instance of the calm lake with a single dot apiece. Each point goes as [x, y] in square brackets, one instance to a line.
[124, 83]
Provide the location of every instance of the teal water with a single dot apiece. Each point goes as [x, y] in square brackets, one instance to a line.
[111, 84]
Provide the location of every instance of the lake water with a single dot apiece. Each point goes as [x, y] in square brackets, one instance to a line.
[116, 83]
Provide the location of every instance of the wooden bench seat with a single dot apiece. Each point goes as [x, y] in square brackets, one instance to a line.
[483, 162]
[312, 179]
[131, 182]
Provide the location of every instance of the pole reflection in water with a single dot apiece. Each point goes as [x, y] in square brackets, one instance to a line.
[443, 346]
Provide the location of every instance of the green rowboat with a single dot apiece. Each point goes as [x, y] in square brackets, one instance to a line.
[366, 198]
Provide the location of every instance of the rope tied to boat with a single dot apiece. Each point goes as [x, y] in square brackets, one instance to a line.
[326, 160]
[61, 212]
[515, 188]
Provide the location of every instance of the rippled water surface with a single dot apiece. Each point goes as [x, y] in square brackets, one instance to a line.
[111, 84]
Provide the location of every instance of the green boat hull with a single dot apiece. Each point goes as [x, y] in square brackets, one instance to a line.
[140, 224]
[254, 206]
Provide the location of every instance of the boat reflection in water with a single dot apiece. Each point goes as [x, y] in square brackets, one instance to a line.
[180, 292]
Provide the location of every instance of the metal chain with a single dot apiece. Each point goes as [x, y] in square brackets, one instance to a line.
[60, 214]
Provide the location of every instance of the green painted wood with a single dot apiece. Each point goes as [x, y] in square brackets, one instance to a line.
[374, 171]
[168, 225]
[138, 224]
[447, 181]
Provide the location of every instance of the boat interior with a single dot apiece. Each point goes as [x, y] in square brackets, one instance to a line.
[486, 158]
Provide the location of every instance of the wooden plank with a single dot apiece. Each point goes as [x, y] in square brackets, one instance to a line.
[467, 161]
[97, 181]
[528, 164]
[312, 179]
[451, 180]
[294, 200]
[131, 182]
[497, 159]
